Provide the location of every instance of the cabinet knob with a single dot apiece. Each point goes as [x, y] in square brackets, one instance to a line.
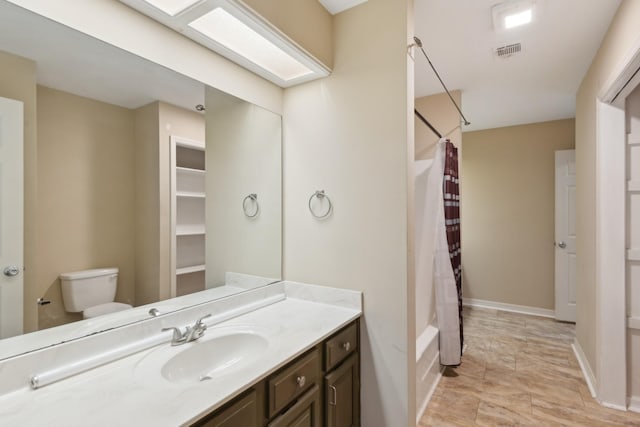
[346, 346]
[301, 380]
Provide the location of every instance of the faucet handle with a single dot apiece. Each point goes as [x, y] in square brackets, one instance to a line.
[199, 321]
[177, 334]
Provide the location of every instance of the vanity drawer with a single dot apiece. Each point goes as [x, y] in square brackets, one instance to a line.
[292, 381]
[338, 347]
[306, 412]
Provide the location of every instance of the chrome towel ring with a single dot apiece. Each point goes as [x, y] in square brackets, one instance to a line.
[320, 196]
[254, 198]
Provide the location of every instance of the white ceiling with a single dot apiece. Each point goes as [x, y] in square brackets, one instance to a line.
[538, 84]
[73, 62]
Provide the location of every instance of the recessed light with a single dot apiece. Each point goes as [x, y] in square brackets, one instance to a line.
[172, 7]
[513, 13]
[517, 19]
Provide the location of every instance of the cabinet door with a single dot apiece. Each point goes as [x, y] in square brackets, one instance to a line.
[342, 391]
[243, 412]
[304, 413]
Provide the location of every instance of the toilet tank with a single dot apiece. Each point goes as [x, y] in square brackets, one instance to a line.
[86, 288]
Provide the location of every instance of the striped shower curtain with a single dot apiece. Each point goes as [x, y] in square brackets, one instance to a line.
[451, 192]
[446, 263]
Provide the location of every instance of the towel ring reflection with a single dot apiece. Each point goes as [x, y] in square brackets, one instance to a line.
[320, 196]
[253, 197]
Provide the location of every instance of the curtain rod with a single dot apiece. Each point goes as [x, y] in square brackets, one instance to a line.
[418, 43]
[426, 122]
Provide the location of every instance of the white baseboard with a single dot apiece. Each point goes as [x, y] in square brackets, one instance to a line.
[432, 389]
[613, 406]
[589, 377]
[634, 403]
[522, 309]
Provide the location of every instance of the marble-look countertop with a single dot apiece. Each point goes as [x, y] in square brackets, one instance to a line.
[131, 391]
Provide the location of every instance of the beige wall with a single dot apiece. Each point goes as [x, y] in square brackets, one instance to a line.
[154, 125]
[243, 156]
[508, 194]
[147, 204]
[349, 134]
[85, 196]
[18, 81]
[621, 38]
[306, 22]
[442, 114]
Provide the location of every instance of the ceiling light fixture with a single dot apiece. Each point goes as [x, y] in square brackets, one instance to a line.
[227, 30]
[517, 19]
[513, 13]
[236, 32]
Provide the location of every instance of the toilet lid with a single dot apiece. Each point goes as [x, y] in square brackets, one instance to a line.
[99, 310]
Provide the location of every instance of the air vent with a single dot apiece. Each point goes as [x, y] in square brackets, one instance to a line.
[508, 50]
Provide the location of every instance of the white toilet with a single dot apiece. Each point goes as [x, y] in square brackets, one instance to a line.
[91, 292]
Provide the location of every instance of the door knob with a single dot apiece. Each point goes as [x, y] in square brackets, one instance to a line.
[11, 271]
[562, 245]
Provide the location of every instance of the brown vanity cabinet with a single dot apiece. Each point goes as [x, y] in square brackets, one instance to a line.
[242, 411]
[342, 378]
[319, 388]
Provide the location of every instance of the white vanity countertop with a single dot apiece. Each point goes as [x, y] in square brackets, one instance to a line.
[125, 393]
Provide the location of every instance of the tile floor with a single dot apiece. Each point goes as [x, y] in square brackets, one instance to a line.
[517, 370]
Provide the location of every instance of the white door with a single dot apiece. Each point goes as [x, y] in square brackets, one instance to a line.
[11, 207]
[565, 238]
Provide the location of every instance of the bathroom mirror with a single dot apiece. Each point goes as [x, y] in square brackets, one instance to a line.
[108, 134]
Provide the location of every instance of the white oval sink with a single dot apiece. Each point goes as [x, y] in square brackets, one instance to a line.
[217, 353]
[205, 359]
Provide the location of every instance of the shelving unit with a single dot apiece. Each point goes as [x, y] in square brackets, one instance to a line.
[187, 216]
[633, 210]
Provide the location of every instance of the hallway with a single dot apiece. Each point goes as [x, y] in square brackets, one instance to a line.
[517, 370]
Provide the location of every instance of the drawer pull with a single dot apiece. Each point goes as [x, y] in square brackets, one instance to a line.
[301, 380]
[346, 345]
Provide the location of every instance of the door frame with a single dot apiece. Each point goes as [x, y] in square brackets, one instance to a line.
[610, 242]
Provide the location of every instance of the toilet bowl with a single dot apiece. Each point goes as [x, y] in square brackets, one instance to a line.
[91, 292]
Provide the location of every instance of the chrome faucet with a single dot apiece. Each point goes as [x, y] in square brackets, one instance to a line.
[191, 333]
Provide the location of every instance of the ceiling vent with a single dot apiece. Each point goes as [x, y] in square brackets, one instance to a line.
[508, 50]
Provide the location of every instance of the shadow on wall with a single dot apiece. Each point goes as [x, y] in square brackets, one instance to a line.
[442, 114]
[54, 314]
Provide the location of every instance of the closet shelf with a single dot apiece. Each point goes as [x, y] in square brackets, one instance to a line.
[633, 138]
[633, 254]
[190, 230]
[190, 269]
[190, 194]
[633, 186]
[190, 171]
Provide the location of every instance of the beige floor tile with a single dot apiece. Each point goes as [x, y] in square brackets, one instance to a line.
[496, 415]
[518, 370]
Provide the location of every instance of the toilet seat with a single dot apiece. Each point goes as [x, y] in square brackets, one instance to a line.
[102, 309]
